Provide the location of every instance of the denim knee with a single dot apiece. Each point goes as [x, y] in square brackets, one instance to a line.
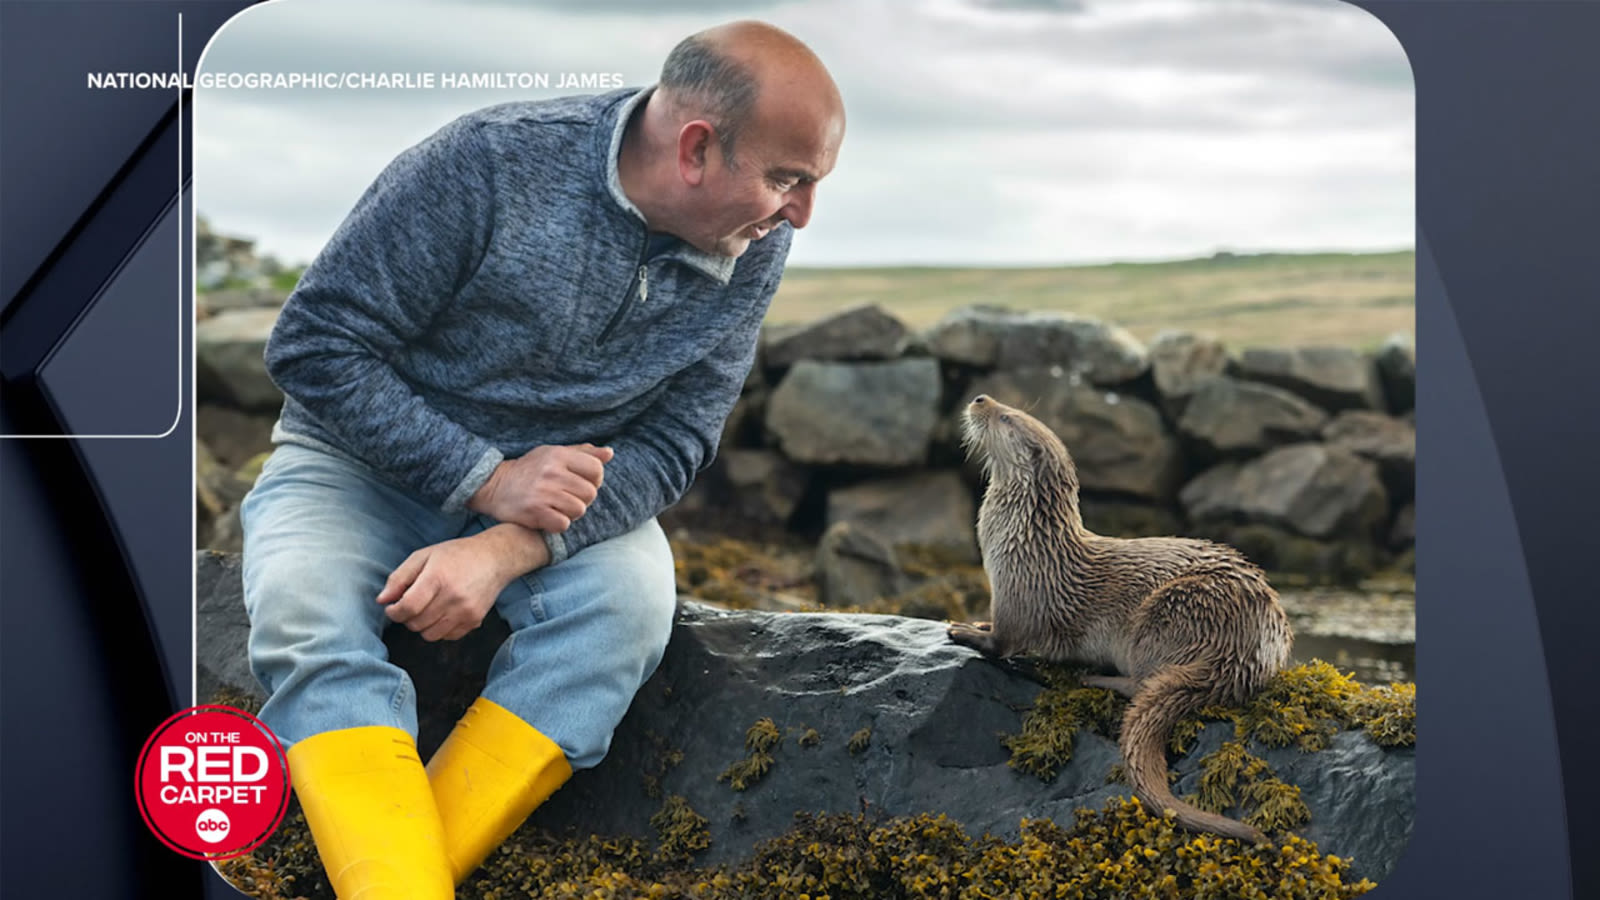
[321, 536]
[640, 606]
[591, 633]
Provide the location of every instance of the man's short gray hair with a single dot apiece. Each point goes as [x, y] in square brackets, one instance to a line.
[724, 90]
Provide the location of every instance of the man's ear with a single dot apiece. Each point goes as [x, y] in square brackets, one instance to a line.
[694, 143]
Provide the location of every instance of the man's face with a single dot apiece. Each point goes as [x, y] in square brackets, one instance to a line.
[772, 179]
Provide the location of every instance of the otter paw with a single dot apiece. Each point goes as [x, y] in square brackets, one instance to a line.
[977, 635]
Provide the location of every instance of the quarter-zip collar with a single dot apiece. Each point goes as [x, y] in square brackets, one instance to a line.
[716, 267]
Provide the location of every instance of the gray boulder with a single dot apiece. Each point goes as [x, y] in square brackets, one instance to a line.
[1105, 354]
[856, 566]
[760, 485]
[1180, 362]
[1334, 378]
[1362, 796]
[229, 367]
[971, 335]
[1386, 440]
[1229, 417]
[926, 509]
[867, 332]
[870, 414]
[1118, 442]
[936, 713]
[233, 436]
[986, 337]
[221, 629]
[926, 717]
[1314, 490]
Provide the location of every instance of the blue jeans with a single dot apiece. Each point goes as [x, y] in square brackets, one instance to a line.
[322, 534]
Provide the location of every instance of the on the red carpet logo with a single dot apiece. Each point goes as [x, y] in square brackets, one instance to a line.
[212, 782]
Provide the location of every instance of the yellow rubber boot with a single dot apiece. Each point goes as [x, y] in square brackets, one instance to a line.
[365, 795]
[488, 775]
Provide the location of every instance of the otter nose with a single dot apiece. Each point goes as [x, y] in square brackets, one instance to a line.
[980, 400]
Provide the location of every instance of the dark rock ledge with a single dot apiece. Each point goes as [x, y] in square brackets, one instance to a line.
[904, 723]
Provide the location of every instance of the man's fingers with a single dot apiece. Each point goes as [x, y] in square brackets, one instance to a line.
[550, 520]
[581, 489]
[586, 466]
[402, 577]
[567, 503]
[413, 601]
[604, 454]
[432, 620]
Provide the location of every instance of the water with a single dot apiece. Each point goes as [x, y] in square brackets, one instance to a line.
[1369, 661]
[1370, 632]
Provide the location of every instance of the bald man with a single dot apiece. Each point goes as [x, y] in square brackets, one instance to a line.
[519, 348]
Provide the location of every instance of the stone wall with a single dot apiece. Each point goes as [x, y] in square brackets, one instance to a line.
[1302, 456]
[847, 434]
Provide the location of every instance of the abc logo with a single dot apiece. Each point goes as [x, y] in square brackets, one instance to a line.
[212, 825]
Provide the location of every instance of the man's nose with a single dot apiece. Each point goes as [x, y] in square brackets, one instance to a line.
[798, 209]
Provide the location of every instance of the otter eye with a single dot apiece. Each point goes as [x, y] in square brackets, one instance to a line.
[1005, 418]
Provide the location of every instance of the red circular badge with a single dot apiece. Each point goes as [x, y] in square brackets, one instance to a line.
[212, 782]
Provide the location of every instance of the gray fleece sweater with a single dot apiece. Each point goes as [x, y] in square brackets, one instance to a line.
[492, 292]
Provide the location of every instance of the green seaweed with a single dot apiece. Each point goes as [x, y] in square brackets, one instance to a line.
[1119, 850]
[1390, 713]
[760, 740]
[683, 832]
[860, 741]
[1045, 743]
[1303, 706]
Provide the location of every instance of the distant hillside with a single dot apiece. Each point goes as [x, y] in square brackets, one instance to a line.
[1353, 299]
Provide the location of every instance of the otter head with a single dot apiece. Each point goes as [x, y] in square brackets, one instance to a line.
[1016, 447]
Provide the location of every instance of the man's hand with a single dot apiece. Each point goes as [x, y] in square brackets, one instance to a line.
[545, 489]
[443, 591]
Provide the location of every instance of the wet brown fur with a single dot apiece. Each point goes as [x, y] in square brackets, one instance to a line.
[1187, 623]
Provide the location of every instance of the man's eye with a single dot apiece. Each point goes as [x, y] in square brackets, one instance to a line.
[785, 184]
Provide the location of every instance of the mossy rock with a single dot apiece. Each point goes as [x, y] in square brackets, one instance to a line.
[1307, 708]
[936, 712]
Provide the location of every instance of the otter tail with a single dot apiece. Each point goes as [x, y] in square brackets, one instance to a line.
[1163, 699]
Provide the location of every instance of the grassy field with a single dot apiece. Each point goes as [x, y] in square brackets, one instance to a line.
[1355, 300]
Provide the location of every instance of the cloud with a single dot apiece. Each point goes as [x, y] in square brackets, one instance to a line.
[1032, 5]
[979, 130]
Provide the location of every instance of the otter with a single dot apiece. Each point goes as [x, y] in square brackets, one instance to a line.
[1187, 623]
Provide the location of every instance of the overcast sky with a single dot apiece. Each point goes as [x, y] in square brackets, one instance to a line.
[980, 131]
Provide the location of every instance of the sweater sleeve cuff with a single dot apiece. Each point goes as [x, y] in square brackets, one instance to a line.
[476, 476]
[557, 545]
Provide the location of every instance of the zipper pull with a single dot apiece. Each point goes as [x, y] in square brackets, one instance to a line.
[644, 283]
